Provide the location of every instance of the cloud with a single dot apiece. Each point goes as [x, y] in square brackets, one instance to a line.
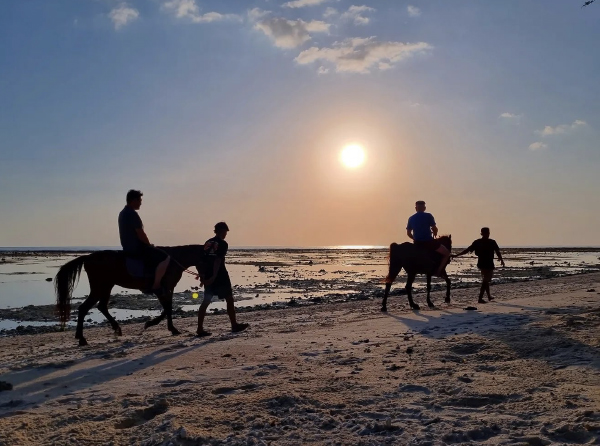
[360, 55]
[256, 14]
[561, 129]
[188, 9]
[330, 12]
[538, 146]
[322, 70]
[413, 11]
[303, 3]
[122, 15]
[356, 14]
[507, 115]
[290, 33]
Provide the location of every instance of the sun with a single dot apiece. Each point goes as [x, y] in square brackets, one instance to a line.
[352, 156]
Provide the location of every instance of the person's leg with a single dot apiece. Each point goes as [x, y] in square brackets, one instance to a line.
[161, 269]
[485, 285]
[227, 293]
[202, 313]
[490, 274]
[445, 256]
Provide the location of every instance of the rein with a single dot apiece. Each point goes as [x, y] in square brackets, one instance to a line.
[177, 263]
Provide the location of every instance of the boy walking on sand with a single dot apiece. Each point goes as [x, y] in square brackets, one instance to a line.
[216, 279]
[484, 248]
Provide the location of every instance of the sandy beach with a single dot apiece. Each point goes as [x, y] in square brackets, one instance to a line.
[523, 370]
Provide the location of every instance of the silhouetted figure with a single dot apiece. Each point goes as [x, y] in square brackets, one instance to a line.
[484, 248]
[135, 242]
[216, 279]
[421, 228]
[415, 261]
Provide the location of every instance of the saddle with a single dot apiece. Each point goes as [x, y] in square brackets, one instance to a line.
[136, 267]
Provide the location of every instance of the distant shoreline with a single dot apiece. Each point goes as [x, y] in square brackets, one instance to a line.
[83, 249]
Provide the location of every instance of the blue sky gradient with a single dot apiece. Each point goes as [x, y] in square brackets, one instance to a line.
[487, 110]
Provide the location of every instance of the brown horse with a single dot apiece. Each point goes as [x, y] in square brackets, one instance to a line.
[105, 269]
[415, 260]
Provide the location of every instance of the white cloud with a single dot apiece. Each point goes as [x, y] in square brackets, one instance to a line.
[188, 9]
[256, 14]
[290, 33]
[303, 3]
[330, 12]
[122, 15]
[360, 55]
[356, 14]
[538, 146]
[507, 115]
[413, 11]
[323, 70]
[561, 129]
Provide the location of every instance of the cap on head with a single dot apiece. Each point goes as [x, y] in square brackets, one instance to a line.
[420, 203]
[221, 226]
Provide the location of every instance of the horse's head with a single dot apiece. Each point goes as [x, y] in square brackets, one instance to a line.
[446, 240]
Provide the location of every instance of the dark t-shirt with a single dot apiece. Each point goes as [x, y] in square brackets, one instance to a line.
[214, 248]
[129, 221]
[484, 250]
[420, 224]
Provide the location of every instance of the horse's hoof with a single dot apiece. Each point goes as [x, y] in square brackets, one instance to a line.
[430, 305]
[415, 307]
[447, 300]
[383, 309]
[82, 342]
[175, 332]
[78, 336]
[118, 331]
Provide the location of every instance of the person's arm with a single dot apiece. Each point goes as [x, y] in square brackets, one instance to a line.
[434, 230]
[464, 251]
[142, 236]
[216, 267]
[409, 233]
[497, 249]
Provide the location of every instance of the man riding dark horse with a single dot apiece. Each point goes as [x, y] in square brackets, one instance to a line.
[136, 244]
[421, 228]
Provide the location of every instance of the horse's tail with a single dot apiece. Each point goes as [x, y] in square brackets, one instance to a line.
[395, 263]
[64, 282]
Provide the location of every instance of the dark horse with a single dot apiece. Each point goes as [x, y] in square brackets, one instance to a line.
[105, 269]
[415, 260]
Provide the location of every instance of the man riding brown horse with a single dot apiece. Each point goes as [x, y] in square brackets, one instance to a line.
[136, 244]
[421, 228]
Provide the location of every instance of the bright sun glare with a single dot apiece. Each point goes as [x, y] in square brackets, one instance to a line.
[352, 156]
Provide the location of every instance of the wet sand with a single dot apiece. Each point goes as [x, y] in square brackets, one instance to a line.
[523, 370]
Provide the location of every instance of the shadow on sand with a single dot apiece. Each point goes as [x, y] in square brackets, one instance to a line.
[520, 332]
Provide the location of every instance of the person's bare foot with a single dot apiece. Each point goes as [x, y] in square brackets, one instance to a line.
[203, 333]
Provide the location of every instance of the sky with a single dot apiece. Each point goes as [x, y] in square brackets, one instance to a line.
[238, 111]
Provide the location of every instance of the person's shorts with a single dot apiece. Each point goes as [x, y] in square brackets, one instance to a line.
[220, 287]
[149, 255]
[487, 274]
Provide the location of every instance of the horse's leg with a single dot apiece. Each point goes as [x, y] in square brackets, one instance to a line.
[103, 308]
[409, 281]
[167, 303]
[155, 321]
[429, 302]
[386, 293]
[83, 310]
[448, 283]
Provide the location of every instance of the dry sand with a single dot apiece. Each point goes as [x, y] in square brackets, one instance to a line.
[524, 370]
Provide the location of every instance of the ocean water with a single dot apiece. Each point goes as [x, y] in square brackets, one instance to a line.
[267, 275]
